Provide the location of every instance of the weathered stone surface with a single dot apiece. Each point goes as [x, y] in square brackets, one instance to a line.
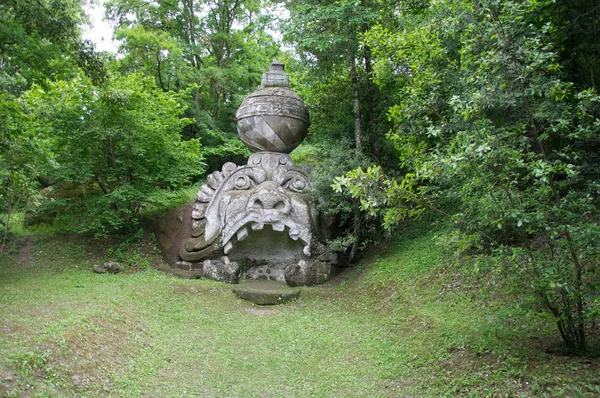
[219, 270]
[259, 215]
[319, 268]
[99, 269]
[265, 292]
[241, 211]
[183, 265]
[308, 273]
[113, 267]
[275, 77]
[110, 267]
[273, 118]
[171, 230]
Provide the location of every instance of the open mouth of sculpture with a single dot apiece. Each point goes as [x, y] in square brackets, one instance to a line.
[252, 224]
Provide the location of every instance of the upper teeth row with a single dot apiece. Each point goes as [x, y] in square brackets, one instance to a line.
[242, 234]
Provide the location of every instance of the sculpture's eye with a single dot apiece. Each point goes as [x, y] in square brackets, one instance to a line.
[244, 182]
[296, 183]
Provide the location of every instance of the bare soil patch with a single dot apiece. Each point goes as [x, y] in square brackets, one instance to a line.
[24, 257]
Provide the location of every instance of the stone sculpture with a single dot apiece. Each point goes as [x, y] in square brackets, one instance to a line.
[257, 221]
[273, 118]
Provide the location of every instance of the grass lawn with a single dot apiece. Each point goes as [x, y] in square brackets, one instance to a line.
[398, 325]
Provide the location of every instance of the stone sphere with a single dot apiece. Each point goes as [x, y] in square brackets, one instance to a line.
[272, 119]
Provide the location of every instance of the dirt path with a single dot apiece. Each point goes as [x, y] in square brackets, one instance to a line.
[24, 256]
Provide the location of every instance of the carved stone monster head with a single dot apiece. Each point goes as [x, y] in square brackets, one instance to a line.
[257, 219]
[236, 201]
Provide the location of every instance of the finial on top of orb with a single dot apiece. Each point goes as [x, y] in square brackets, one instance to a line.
[273, 118]
[275, 77]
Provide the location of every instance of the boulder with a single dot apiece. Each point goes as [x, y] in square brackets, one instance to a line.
[99, 269]
[222, 270]
[110, 267]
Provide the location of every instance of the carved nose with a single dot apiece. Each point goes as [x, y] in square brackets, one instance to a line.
[269, 203]
[269, 198]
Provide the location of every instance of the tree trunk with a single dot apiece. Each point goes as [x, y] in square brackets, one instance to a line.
[358, 146]
[357, 133]
[371, 114]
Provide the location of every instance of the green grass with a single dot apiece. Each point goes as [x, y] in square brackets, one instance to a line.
[401, 324]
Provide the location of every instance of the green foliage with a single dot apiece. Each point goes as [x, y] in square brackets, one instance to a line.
[212, 53]
[336, 207]
[334, 66]
[129, 252]
[22, 159]
[487, 120]
[380, 196]
[40, 40]
[123, 138]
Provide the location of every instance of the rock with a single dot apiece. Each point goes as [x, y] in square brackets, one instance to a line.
[183, 265]
[99, 269]
[171, 229]
[112, 267]
[265, 292]
[308, 273]
[296, 274]
[273, 118]
[220, 271]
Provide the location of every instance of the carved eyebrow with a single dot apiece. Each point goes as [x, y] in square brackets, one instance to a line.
[255, 175]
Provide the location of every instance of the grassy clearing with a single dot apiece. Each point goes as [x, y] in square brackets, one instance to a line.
[402, 324]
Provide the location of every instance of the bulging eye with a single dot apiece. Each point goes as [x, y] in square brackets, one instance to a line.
[243, 182]
[296, 183]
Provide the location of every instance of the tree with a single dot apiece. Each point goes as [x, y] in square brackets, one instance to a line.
[41, 40]
[487, 119]
[122, 139]
[215, 51]
[327, 37]
[22, 158]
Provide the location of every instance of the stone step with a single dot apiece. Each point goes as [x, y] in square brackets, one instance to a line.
[263, 292]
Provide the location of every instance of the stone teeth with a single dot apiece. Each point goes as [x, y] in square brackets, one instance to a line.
[306, 250]
[242, 234]
[278, 226]
[256, 226]
[228, 247]
[225, 260]
[294, 233]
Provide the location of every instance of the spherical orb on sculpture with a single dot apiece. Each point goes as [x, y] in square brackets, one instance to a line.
[273, 118]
